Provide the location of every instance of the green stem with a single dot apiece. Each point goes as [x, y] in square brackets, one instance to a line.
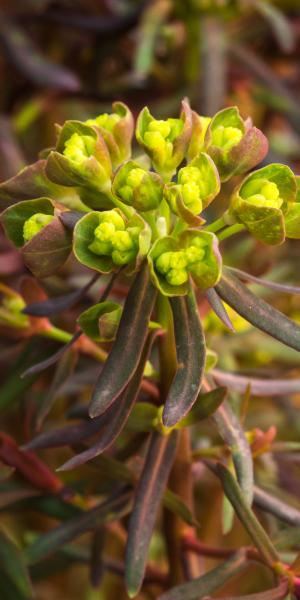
[236, 228]
[57, 334]
[216, 225]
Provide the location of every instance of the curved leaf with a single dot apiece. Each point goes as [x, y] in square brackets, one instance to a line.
[125, 354]
[257, 312]
[190, 354]
[14, 578]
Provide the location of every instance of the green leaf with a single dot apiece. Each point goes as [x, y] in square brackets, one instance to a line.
[143, 417]
[150, 489]
[83, 237]
[100, 322]
[204, 407]
[14, 217]
[14, 578]
[205, 585]
[130, 340]
[190, 354]
[280, 24]
[257, 312]
[174, 503]
[246, 516]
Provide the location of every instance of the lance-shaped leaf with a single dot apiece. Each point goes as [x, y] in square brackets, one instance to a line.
[246, 516]
[165, 141]
[204, 407]
[137, 187]
[14, 577]
[272, 285]
[261, 201]
[28, 465]
[280, 509]
[197, 185]
[125, 354]
[150, 489]
[117, 131]
[56, 305]
[218, 308]
[81, 158]
[190, 355]
[258, 387]
[233, 435]
[257, 312]
[201, 587]
[118, 412]
[32, 182]
[110, 510]
[44, 242]
[100, 322]
[194, 253]
[234, 144]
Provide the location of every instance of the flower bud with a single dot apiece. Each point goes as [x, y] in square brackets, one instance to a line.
[34, 224]
[263, 201]
[234, 144]
[117, 131]
[198, 184]
[81, 158]
[165, 141]
[137, 187]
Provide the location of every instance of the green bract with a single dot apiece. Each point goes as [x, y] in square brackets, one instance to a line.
[292, 216]
[117, 130]
[44, 242]
[101, 321]
[234, 144]
[262, 201]
[137, 187]
[165, 141]
[106, 241]
[197, 185]
[81, 158]
[195, 253]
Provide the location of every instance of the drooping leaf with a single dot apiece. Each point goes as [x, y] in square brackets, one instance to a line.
[130, 339]
[217, 306]
[190, 354]
[273, 285]
[258, 312]
[258, 387]
[280, 509]
[150, 489]
[14, 578]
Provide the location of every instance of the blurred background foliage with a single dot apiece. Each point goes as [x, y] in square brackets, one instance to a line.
[70, 59]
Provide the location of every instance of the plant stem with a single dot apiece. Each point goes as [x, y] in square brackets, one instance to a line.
[54, 333]
[236, 228]
[216, 225]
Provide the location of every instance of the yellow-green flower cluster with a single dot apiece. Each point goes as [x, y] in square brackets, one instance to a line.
[264, 193]
[111, 238]
[176, 266]
[79, 147]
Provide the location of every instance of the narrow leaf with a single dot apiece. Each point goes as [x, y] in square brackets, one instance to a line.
[233, 435]
[150, 489]
[276, 593]
[273, 285]
[246, 516]
[118, 413]
[14, 579]
[68, 436]
[205, 406]
[110, 510]
[54, 306]
[218, 308]
[258, 387]
[208, 583]
[280, 509]
[63, 371]
[190, 354]
[48, 362]
[257, 312]
[130, 339]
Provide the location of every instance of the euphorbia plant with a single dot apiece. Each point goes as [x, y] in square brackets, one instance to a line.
[139, 220]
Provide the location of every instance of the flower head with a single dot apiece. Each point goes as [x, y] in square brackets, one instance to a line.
[137, 187]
